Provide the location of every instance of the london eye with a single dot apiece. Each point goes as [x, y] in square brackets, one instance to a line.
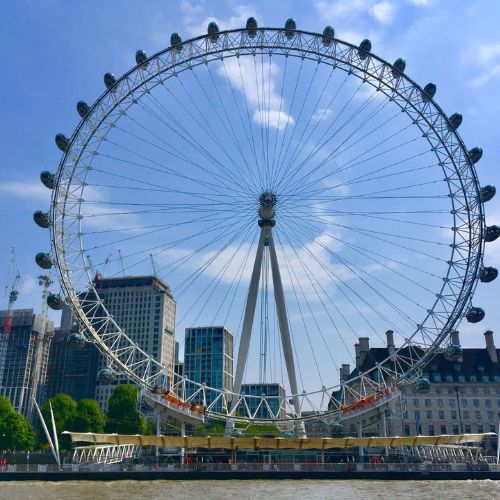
[295, 188]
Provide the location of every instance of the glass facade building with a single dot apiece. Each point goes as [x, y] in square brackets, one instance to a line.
[208, 357]
[26, 351]
[273, 406]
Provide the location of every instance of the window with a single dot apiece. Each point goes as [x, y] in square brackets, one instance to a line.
[464, 402]
[416, 403]
[455, 429]
[490, 415]
[487, 402]
[441, 414]
[450, 389]
[475, 390]
[428, 403]
[466, 413]
[443, 429]
[429, 415]
[431, 430]
[407, 429]
[451, 403]
[453, 415]
[440, 403]
[467, 428]
[478, 415]
[476, 403]
[480, 428]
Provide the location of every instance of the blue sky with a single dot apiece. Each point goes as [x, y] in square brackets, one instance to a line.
[56, 52]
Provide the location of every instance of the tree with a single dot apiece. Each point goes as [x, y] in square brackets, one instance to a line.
[15, 431]
[88, 417]
[64, 408]
[123, 417]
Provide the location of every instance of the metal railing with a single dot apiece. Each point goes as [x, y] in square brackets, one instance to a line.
[254, 467]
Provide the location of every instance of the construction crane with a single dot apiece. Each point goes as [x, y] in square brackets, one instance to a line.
[13, 294]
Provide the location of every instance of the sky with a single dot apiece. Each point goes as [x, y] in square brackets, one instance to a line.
[56, 53]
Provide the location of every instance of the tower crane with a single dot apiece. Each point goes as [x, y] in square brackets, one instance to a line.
[13, 294]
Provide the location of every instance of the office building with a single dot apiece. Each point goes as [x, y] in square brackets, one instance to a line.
[273, 406]
[208, 357]
[145, 309]
[464, 396]
[26, 352]
[72, 368]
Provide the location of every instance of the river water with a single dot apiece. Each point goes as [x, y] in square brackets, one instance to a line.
[204, 490]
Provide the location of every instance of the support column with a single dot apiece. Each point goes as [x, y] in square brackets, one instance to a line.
[285, 333]
[246, 331]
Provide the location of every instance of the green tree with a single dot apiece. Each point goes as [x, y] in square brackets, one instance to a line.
[15, 431]
[88, 417]
[64, 408]
[123, 417]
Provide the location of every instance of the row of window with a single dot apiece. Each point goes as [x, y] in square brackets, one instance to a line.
[447, 429]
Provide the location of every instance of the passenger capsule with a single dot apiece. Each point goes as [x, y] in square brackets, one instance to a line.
[328, 35]
[454, 121]
[54, 301]
[422, 385]
[398, 68]
[290, 27]
[453, 352]
[76, 340]
[47, 179]
[429, 92]
[488, 274]
[492, 233]
[213, 32]
[62, 142]
[109, 80]
[475, 315]
[141, 58]
[475, 154]
[337, 429]
[251, 27]
[83, 108]
[43, 260]
[175, 40]
[105, 376]
[364, 49]
[41, 219]
[487, 193]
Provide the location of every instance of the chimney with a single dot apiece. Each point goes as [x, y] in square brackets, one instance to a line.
[364, 347]
[455, 340]
[490, 346]
[358, 356]
[390, 342]
[345, 371]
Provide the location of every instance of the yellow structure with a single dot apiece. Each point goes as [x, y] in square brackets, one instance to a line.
[257, 443]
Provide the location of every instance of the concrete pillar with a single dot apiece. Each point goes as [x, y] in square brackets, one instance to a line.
[364, 347]
[345, 371]
[490, 346]
[390, 342]
[358, 356]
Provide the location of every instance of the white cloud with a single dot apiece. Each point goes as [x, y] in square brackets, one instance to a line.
[421, 3]
[25, 190]
[275, 119]
[486, 76]
[268, 107]
[196, 20]
[488, 51]
[341, 8]
[383, 12]
[27, 284]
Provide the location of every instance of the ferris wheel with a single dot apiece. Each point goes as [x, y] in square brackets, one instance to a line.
[295, 188]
